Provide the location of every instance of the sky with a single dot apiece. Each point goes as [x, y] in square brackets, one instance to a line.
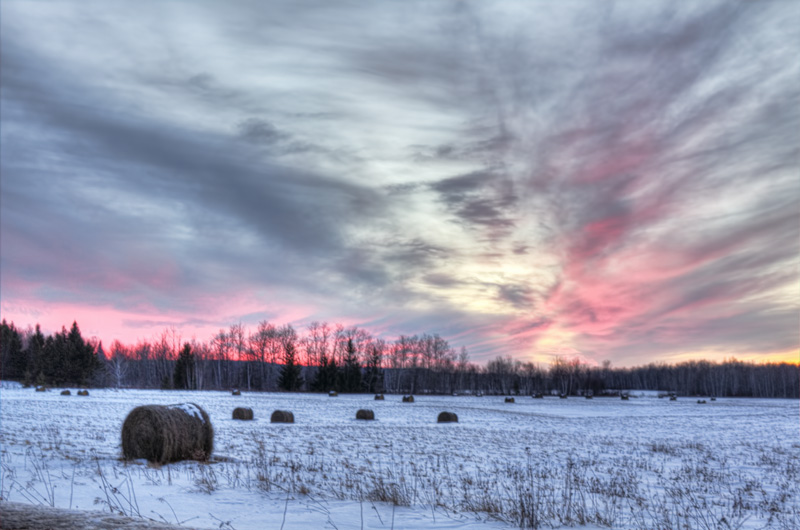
[607, 180]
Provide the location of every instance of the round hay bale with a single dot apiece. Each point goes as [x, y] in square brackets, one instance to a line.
[242, 413]
[168, 433]
[41, 389]
[236, 392]
[83, 392]
[333, 393]
[509, 400]
[282, 416]
[408, 399]
[66, 393]
[365, 414]
[379, 397]
[447, 417]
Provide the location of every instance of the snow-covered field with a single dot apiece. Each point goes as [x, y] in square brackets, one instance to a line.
[601, 463]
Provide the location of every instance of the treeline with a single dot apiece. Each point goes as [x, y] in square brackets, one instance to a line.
[332, 357]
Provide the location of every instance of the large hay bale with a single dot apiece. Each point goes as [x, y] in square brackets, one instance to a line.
[408, 399]
[447, 417]
[242, 413]
[41, 389]
[333, 393]
[282, 416]
[168, 433]
[66, 393]
[379, 397]
[509, 400]
[83, 392]
[236, 393]
[365, 414]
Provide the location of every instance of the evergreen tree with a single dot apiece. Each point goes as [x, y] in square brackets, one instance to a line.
[14, 359]
[326, 378]
[183, 374]
[290, 379]
[351, 371]
[35, 356]
[373, 374]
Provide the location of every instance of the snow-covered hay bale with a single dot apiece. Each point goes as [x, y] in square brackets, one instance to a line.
[365, 414]
[447, 417]
[379, 397]
[242, 413]
[41, 389]
[168, 433]
[66, 393]
[408, 399]
[282, 416]
[509, 400]
[236, 393]
[83, 392]
[333, 393]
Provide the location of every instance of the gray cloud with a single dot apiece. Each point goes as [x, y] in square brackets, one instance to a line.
[373, 159]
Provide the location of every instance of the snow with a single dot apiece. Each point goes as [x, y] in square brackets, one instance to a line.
[190, 409]
[329, 470]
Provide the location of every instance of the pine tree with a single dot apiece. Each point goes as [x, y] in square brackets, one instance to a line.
[326, 378]
[351, 371]
[14, 358]
[373, 374]
[183, 374]
[290, 379]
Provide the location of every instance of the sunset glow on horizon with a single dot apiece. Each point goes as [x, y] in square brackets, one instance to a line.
[525, 179]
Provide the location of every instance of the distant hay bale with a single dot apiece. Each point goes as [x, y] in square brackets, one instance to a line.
[282, 416]
[236, 392]
[509, 400]
[170, 433]
[365, 414]
[333, 393]
[447, 417]
[66, 393]
[408, 399]
[379, 397]
[83, 392]
[242, 413]
[41, 389]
